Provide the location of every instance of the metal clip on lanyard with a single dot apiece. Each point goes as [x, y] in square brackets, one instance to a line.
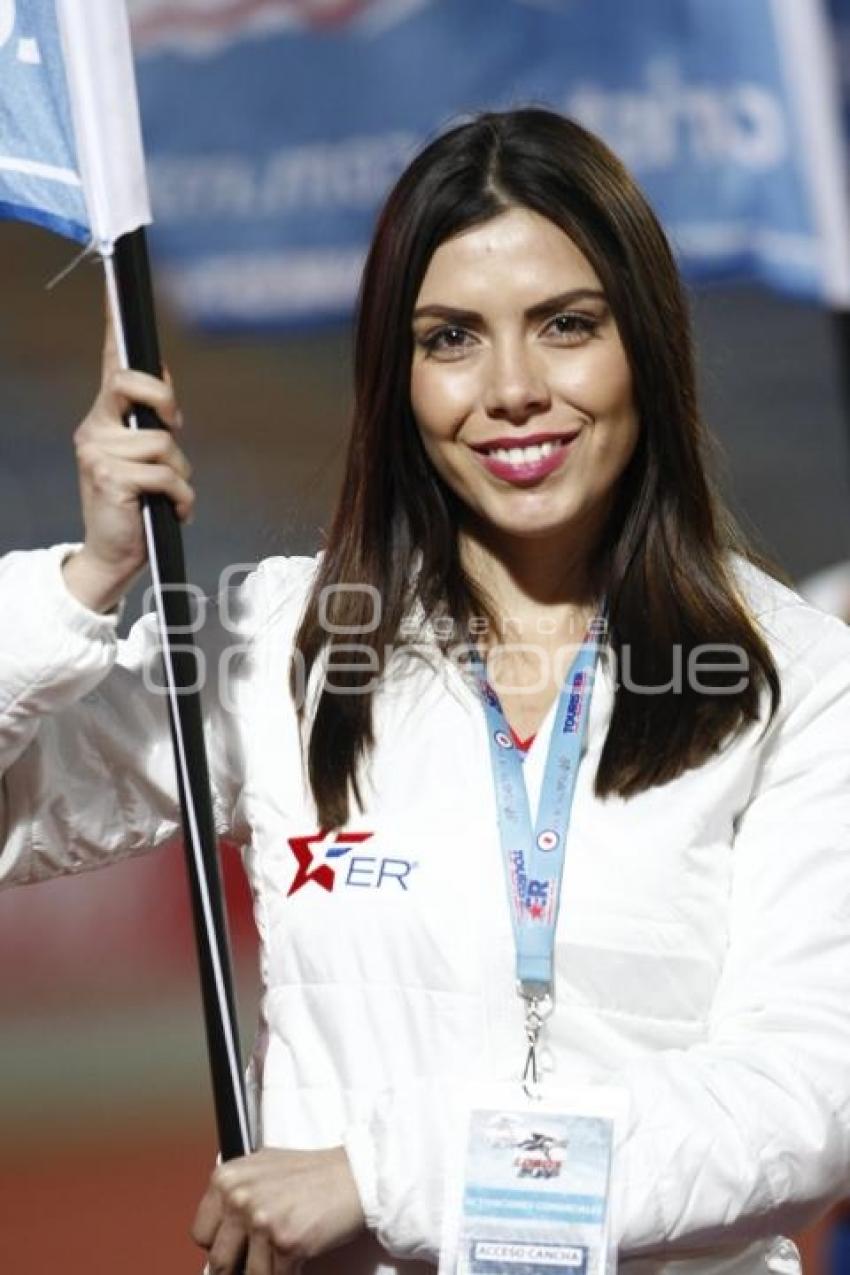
[537, 1010]
[533, 853]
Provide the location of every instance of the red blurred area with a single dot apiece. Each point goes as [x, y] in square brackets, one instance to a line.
[99, 935]
[119, 1205]
[108, 1133]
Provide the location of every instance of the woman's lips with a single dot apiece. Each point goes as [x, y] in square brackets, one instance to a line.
[526, 465]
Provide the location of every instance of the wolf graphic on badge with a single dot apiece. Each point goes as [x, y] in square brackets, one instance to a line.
[537, 1156]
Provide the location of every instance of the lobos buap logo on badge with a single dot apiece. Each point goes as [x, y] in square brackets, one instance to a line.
[325, 860]
[539, 1155]
[536, 1154]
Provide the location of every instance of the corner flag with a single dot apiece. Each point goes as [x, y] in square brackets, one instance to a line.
[71, 155]
[71, 159]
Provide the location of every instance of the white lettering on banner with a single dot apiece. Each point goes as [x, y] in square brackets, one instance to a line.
[666, 123]
[346, 175]
[28, 51]
[7, 20]
[671, 121]
[255, 286]
[353, 173]
[726, 238]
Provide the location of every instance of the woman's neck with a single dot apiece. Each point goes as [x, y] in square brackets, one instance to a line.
[532, 585]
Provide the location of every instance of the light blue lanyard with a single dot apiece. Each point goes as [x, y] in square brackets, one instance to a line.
[533, 854]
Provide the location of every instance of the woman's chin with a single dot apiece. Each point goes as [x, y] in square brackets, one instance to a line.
[537, 526]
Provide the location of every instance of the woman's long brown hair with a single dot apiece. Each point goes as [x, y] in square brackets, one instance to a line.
[666, 554]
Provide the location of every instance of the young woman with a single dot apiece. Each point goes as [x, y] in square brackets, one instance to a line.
[526, 465]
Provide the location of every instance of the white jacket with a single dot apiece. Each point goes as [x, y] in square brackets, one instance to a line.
[703, 956]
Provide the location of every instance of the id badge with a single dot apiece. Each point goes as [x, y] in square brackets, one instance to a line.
[530, 1191]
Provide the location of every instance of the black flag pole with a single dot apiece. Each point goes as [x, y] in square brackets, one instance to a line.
[132, 308]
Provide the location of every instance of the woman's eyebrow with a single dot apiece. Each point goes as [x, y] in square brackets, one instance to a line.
[561, 300]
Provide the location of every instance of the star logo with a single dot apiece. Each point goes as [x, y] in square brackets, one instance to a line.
[305, 856]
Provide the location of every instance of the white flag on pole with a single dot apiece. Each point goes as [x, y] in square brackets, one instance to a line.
[71, 154]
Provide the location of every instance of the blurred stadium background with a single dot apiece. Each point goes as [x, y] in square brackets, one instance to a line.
[107, 1136]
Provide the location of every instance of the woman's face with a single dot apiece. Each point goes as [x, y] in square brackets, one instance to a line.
[519, 384]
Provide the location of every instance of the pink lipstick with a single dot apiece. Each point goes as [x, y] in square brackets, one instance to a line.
[525, 463]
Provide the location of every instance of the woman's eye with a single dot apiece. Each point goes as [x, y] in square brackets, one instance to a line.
[446, 340]
[573, 326]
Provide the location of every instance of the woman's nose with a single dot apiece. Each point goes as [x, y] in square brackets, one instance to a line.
[516, 385]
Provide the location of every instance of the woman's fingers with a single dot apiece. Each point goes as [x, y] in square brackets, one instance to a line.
[229, 1245]
[293, 1204]
[117, 465]
[156, 479]
[123, 481]
[286, 1266]
[130, 444]
[261, 1259]
[109, 358]
[123, 389]
[208, 1216]
[221, 1227]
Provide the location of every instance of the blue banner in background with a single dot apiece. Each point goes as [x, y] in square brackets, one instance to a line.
[38, 166]
[839, 12]
[274, 130]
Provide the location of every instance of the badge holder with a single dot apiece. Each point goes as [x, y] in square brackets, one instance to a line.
[529, 1189]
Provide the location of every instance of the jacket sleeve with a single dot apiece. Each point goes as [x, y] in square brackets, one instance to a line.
[85, 747]
[747, 1133]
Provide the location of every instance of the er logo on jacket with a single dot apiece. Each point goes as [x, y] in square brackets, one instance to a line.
[359, 870]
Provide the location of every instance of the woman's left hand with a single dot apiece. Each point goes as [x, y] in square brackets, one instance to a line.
[283, 1206]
